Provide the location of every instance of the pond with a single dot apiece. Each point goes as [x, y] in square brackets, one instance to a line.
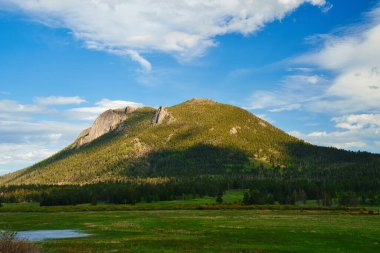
[39, 235]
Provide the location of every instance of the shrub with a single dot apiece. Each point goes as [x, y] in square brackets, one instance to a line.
[219, 199]
[9, 243]
[347, 199]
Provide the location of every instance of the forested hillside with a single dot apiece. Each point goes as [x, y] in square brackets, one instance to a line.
[198, 137]
[196, 148]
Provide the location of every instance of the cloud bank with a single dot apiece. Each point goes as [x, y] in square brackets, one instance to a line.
[354, 59]
[351, 62]
[358, 132]
[340, 78]
[32, 132]
[135, 27]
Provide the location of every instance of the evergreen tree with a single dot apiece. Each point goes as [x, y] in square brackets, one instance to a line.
[219, 199]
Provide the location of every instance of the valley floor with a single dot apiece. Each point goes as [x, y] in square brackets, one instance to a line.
[205, 230]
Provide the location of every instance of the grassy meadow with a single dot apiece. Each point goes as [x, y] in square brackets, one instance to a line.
[205, 231]
[167, 227]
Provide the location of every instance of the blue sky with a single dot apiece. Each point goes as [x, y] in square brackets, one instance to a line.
[310, 67]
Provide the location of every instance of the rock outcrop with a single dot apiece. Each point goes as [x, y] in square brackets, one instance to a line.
[235, 130]
[108, 121]
[160, 115]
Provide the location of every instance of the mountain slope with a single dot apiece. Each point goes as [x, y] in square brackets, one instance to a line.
[193, 138]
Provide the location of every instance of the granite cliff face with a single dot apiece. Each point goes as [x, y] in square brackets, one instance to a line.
[160, 115]
[108, 121]
[113, 120]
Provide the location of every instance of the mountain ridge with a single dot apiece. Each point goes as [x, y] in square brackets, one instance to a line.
[196, 137]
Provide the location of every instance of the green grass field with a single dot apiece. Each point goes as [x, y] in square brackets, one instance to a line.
[138, 229]
[205, 231]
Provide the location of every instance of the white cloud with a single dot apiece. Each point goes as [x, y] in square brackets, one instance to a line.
[37, 131]
[90, 113]
[57, 100]
[14, 110]
[327, 7]
[15, 155]
[293, 93]
[134, 55]
[28, 133]
[23, 143]
[354, 91]
[352, 122]
[12, 106]
[263, 99]
[348, 90]
[354, 60]
[289, 107]
[314, 79]
[353, 140]
[22, 153]
[356, 132]
[10, 109]
[183, 28]
[301, 69]
[351, 81]
[4, 171]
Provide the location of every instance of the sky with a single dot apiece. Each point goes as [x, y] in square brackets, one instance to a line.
[309, 67]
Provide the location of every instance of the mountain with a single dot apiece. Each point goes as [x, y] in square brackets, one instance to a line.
[197, 137]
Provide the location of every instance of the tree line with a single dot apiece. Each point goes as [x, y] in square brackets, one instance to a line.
[266, 186]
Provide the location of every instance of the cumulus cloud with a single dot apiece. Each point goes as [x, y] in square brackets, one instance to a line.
[90, 113]
[182, 28]
[341, 78]
[354, 60]
[353, 122]
[351, 60]
[57, 100]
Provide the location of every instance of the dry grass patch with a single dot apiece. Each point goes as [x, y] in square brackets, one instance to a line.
[9, 243]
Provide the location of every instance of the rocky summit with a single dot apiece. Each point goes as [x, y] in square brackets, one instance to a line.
[108, 121]
[113, 120]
